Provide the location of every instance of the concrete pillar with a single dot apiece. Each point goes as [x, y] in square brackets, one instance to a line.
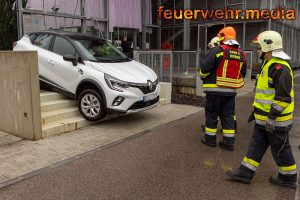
[135, 39]
[82, 12]
[106, 4]
[186, 28]
[159, 30]
[144, 35]
[270, 21]
[20, 18]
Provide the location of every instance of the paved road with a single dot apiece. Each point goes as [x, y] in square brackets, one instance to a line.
[167, 163]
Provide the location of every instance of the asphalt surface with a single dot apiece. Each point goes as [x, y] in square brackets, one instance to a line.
[167, 163]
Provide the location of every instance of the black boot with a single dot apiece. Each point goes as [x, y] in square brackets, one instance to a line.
[242, 174]
[289, 180]
[225, 145]
[210, 142]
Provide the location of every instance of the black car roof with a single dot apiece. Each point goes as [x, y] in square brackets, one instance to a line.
[73, 35]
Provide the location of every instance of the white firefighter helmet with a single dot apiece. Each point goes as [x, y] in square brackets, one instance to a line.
[270, 41]
[214, 41]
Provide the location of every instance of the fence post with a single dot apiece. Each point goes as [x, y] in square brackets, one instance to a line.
[171, 66]
[151, 61]
[161, 68]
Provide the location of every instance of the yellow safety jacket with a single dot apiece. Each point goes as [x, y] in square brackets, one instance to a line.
[264, 97]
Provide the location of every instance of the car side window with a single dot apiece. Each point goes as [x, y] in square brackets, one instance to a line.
[33, 37]
[63, 47]
[41, 40]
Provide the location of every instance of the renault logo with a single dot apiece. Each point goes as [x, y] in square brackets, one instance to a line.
[150, 85]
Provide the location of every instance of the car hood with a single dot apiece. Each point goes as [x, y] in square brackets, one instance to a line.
[132, 71]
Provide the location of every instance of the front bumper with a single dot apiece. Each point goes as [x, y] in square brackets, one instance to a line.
[135, 100]
[141, 106]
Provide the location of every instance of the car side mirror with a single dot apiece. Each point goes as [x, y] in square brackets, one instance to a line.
[71, 58]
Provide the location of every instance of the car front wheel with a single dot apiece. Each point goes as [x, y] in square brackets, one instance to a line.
[91, 105]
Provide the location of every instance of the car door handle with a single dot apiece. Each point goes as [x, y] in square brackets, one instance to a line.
[51, 62]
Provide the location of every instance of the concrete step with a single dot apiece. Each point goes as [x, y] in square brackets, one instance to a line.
[57, 104]
[64, 125]
[60, 114]
[162, 101]
[50, 96]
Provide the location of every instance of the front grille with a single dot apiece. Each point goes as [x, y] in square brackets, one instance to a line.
[142, 104]
[145, 88]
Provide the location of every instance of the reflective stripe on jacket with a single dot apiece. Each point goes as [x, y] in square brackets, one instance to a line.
[264, 97]
[229, 70]
[208, 73]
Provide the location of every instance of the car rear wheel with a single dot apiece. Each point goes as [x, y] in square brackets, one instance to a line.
[91, 105]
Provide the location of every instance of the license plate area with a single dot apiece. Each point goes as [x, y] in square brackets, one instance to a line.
[149, 97]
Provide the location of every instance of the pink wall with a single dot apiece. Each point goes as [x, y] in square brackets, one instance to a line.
[122, 13]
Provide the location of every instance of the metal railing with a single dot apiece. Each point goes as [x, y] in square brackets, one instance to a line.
[170, 66]
[178, 67]
[160, 61]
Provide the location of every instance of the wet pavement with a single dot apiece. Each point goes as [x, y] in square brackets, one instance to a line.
[168, 162]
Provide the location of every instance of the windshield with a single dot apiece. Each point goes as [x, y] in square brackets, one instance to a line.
[100, 51]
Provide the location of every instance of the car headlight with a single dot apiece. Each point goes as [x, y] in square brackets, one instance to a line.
[114, 83]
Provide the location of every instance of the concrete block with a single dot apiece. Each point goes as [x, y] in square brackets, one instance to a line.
[62, 126]
[20, 90]
[165, 91]
[199, 87]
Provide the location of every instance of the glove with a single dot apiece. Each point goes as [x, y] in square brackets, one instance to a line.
[270, 126]
[251, 117]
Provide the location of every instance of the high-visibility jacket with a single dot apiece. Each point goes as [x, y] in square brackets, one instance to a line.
[209, 70]
[229, 70]
[265, 99]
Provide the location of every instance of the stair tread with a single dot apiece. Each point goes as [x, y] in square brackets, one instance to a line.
[63, 122]
[59, 111]
[46, 93]
[55, 101]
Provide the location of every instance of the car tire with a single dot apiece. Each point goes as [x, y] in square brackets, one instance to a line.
[91, 105]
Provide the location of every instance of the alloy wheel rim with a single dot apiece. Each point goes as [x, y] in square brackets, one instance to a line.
[90, 105]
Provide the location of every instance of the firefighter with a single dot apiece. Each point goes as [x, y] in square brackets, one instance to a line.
[212, 44]
[273, 113]
[222, 72]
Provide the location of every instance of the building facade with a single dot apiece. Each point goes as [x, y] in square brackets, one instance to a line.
[139, 20]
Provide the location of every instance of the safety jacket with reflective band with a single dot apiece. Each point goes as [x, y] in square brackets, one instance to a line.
[264, 97]
[208, 73]
[229, 70]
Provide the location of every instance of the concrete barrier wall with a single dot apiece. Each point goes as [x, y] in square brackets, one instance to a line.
[165, 91]
[20, 111]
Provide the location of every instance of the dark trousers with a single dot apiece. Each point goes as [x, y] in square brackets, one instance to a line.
[222, 107]
[279, 142]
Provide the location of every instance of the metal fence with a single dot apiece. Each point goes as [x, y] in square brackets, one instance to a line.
[160, 61]
[36, 22]
[179, 67]
[249, 58]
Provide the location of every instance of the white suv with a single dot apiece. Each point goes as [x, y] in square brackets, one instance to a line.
[92, 71]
